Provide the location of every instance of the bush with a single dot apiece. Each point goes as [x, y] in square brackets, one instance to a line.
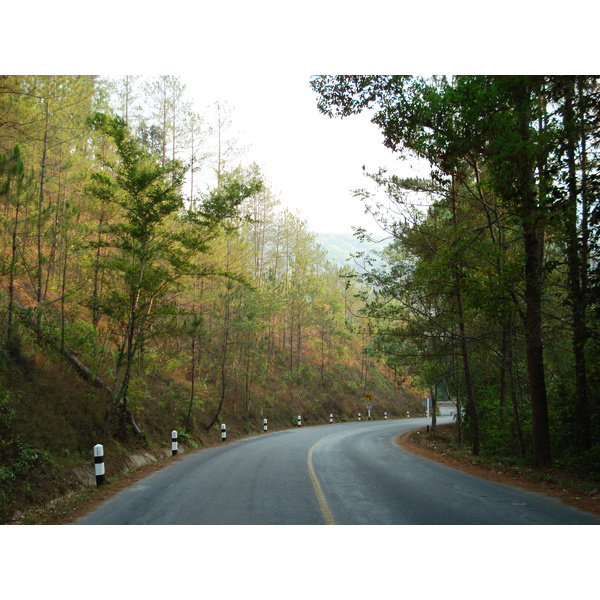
[20, 465]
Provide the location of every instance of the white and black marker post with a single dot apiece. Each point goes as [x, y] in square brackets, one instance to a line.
[223, 432]
[407, 415]
[299, 421]
[385, 416]
[174, 445]
[331, 418]
[359, 416]
[99, 464]
[264, 425]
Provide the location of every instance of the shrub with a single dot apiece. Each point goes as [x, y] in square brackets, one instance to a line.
[20, 464]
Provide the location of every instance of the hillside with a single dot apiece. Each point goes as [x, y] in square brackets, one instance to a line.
[51, 417]
[134, 302]
[340, 248]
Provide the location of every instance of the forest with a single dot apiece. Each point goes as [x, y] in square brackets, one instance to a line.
[490, 286]
[151, 281]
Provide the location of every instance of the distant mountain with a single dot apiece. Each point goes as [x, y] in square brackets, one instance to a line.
[340, 246]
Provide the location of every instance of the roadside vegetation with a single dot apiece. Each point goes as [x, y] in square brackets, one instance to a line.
[151, 281]
[489, 288]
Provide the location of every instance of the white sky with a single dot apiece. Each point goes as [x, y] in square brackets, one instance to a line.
[310, 161]
[259, 56]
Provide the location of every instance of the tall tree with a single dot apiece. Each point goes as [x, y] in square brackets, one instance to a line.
[16, 184]
[444, 123]
[574, 97]
[147, 194]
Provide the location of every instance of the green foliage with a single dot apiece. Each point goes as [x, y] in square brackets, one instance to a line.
[463, 296]
[222, 303]
[20, 464]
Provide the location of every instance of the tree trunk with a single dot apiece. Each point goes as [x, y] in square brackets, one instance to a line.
[40, 219]
[12, 275]
[434, 408]
[585, 425]
[116, 412]
[533, 235]
[193, 386]
[471, 406]
[454, 376]
[513, 388]
[224, 354]
[247, 378]
[97, 289]
[577, 298]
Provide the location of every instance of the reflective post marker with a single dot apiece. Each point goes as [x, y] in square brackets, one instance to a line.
[407, 415]
[265, 425]
[223, 432]
[99, 464]
[299, 420]
[385, 415]
[359, 416]
[331, 418]
[174, 446]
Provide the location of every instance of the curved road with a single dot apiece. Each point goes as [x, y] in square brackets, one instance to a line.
[345, 473]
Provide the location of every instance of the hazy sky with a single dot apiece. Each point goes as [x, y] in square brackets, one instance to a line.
[310, 161]
[259, 57]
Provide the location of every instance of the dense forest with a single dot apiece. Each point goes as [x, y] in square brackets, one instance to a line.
[490, 287]
[150, 280]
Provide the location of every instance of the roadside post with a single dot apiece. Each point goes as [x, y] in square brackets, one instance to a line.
[368, 405]
[407, 415]
[174, 444]
[99, 464]
[299, 420]
[223, 432]
[385, 416]
[264, 425]
[359, 416]
[331, 418]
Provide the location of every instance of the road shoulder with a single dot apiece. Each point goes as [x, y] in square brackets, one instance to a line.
[550, 482]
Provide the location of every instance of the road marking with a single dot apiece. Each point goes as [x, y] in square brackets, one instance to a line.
[313, 476]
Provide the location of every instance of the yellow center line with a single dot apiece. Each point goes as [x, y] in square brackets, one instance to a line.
[318, 491]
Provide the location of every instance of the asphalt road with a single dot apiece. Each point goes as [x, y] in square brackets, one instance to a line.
[345, 473]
